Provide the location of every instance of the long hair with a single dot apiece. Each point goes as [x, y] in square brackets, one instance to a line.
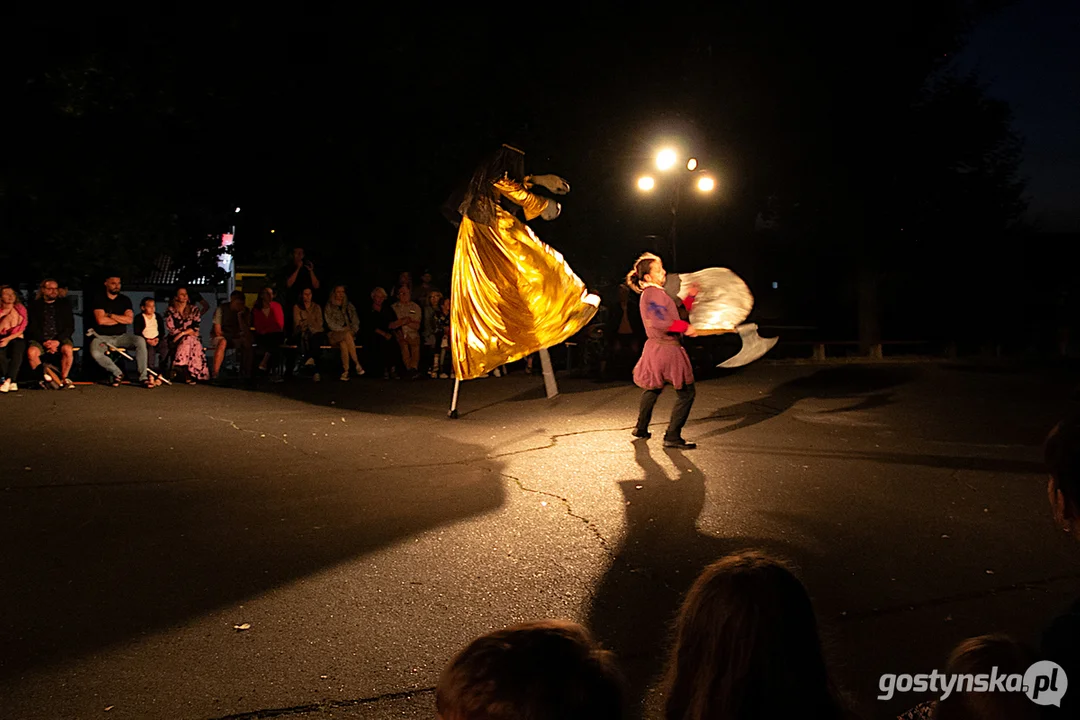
[18, 297]
[641, 268]
[190, 306]
[481, 197]
[747, 646]
[259, 300]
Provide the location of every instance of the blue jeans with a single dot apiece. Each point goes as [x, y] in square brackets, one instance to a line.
[99, 351]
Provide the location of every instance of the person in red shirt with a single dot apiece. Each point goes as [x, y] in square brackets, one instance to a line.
[269, 319]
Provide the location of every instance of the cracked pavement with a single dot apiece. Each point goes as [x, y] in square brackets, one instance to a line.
[364, 538]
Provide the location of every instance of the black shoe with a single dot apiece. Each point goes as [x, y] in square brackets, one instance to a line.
[642, 435]
[679, 444]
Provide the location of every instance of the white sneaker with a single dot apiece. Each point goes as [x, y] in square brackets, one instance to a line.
[5, 387]
[359, 371]
[344, 376]
[310, 361]
[316, 377]
[14, 387]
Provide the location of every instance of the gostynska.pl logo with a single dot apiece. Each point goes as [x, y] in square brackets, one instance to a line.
[1044, 683]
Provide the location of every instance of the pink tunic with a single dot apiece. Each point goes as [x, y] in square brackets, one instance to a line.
[663, 361]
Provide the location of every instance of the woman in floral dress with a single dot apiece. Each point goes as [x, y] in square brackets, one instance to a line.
[182, 323]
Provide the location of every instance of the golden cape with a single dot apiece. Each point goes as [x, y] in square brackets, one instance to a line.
[511, 294]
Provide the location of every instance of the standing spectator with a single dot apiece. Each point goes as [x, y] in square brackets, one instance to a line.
[1061, 641]
[269, 327]
[308, 333]
[381, 350]
[539, 670]
[183, 321]
[12, 344]
[50, 331]
[442, 338]
[343, 322]
[151, 328]
[404, 279]
[232, 331]
[112, 315]
[430, 347]
[422, 291]
[299, 275]
[747, 646]
[407, 329]
[625, 333]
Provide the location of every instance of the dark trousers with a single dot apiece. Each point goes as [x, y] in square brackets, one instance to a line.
[11, 357]
[679, 413]
[269, 344]
[157, 356]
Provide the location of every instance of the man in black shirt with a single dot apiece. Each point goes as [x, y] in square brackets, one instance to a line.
[1061, 640]
[112, 316]
[50, 329]
[299, 275]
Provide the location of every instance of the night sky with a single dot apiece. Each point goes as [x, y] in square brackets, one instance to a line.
[345, 131]
[1029, 54]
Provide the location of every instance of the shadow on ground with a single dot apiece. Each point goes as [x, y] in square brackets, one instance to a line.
[138, 540]
[663, 552]
[869, 385]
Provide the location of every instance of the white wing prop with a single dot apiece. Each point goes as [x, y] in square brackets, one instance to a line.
[723, 302]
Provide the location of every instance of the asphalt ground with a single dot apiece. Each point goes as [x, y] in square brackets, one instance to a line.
[360, 538]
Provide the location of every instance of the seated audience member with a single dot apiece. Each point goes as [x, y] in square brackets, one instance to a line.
[343, 322]
[430, 350]
[406, 327]
[978, 656]
[381, 351]
[547, 670]
[112, 314]
[13, 323]
[232, 331]
[50, 331]
[307, 323]
[183, 322]
[442, 339]
[1061, 640]
[747, 646]
[269, 327]
[151, 328]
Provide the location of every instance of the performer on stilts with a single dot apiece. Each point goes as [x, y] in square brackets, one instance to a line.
[663, 360]
[511, 294]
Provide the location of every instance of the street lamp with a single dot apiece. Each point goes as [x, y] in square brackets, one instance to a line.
[667, 159]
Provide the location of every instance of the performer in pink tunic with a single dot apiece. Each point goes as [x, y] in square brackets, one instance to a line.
[663, 360]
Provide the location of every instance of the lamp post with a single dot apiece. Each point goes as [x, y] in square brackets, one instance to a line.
[666, 160]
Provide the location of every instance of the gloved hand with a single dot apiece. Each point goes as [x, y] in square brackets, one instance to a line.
[552, 211]
[554, 183]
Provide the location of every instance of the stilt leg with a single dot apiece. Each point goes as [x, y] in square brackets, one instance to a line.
[453, 403]
[550, 385]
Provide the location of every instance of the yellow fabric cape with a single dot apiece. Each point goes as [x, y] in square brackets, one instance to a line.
[511, 294]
